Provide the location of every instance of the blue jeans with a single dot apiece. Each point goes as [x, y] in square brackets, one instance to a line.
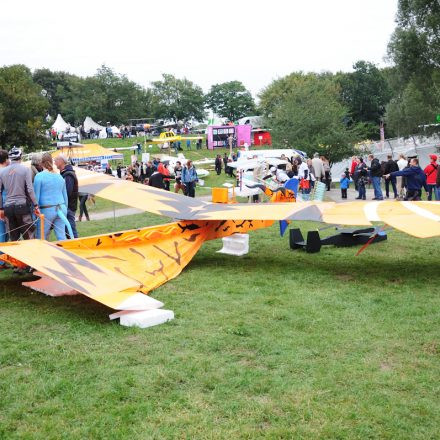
[3, 236]
[51, 219]
[377, 189]
[437, 193]
[190, 189]
[362, 192]
[71, 218]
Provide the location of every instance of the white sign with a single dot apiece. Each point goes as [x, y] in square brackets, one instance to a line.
[145, 157]
[134, 158]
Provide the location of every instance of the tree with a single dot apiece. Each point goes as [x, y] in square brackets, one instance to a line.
[414, 49]
[106, 97]
[414, 45]
[177, 99]
[22, 108]
[54, 85]
[406, 113]
[230, 100]
[306, 112]
[365, 91]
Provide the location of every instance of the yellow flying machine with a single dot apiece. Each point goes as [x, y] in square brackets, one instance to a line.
[170, 136]
[119, 268]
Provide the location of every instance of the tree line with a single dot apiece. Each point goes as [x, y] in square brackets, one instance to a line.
[323, 112]
[27, 98]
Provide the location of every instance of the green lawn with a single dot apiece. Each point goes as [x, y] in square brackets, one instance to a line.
[277, 344]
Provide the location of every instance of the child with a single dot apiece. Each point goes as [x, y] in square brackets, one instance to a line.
[345, 183]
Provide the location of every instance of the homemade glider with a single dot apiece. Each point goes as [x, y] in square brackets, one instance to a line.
[118, 268]
[170, 136]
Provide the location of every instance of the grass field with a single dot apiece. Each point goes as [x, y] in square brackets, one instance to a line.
[277, 344]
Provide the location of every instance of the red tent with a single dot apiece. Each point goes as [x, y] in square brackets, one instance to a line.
[261, 137]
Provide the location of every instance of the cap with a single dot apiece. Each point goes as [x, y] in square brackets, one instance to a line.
[433, 156]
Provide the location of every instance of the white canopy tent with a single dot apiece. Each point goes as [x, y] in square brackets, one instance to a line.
[60, 125]
[89, 123]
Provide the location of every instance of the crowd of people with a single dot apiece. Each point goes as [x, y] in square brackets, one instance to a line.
[158, 174]
[26, 193]
[404, 177]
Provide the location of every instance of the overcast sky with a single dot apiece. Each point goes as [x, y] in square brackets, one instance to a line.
[251, 41]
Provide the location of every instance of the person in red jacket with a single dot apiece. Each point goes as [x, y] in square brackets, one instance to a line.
[431, 176]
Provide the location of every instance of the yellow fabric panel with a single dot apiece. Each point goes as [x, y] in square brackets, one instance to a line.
[350, 213]
[411, 218]
[78, 273]
[146, 198]
[153, 255]
[150, 256]
[87, 150]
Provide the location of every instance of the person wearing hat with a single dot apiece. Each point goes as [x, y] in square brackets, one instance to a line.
[431, 176]
[16, 180]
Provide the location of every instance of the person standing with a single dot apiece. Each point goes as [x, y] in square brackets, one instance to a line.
[225, 162]
[36, 165]
[149, 170]
[4, 162]
[51, 195]
[402, 163]
[69, 175]
[189, 179]
[218, 164]
[83, 197]
[437, 187]
[188, 144]
[415, 180]
[119, 170]
[390, 167]
[376, 176]
[327, 173]
[16, 181]
[230, 143]
[431, 176]
[318, 168]
[361, 179]
[108, 169]
[166, 175]
[344, 184]
[178, 176]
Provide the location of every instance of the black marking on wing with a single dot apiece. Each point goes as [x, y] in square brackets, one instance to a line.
[137, 253]
[160, 270]
[119, 270]
[98, 243]
[109, 257]
[220, 225]
[190, 227]
[176, 259]
[192, 239]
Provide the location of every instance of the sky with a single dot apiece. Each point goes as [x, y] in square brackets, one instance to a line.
[207, 42]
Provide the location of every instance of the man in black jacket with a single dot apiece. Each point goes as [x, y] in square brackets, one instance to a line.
[376, 176]
[69, 176]
[390, 167]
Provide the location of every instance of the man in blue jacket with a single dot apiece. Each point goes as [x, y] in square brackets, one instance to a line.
[189, 179]
[415, 179]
